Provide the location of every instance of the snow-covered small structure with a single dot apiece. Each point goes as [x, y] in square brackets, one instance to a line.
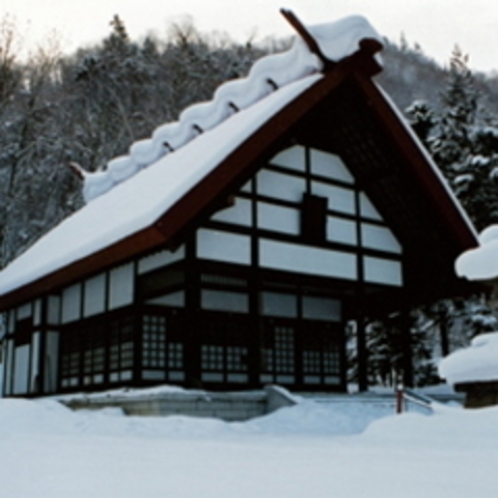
[480, 263]
[230, 249]
[474, 370]
[477, 363]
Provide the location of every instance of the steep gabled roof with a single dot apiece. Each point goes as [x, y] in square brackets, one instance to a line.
[157, 205]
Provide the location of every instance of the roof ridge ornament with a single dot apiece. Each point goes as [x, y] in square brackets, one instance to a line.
[307, 37]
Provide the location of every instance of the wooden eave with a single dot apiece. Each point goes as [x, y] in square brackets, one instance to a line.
[171, 227]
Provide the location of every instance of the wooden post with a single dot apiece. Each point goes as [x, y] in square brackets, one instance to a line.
[399, 399]
[361, 351]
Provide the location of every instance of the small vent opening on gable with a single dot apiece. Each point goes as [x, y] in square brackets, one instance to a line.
[314, 218]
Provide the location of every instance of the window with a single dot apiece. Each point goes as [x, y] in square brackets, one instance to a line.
[224, 352]
[121, 350]
[160, 349]
[154, 342]
[278, 354]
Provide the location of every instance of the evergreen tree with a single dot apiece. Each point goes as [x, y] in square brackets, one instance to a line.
[421, 120]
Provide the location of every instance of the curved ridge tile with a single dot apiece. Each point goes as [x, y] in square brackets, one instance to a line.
[336, 40]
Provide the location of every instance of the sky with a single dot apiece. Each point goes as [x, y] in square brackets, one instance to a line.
[436, 25]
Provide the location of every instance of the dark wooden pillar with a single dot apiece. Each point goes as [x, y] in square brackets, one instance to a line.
[192, 318]
[361, 353]
[43, 347]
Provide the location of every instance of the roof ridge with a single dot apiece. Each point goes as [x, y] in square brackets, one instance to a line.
[337, 40]
[266, 75]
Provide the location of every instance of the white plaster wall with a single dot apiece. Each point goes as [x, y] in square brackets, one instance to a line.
[338, 198]
[292, 158]
[367, 209]
[176, 299]
[341, 230]
[239, 214]
[321, 308]
[278, 304]
[377, 237]
[21, 358]
[281, 186]
[121, 286]
[53, 311]
[95, 292]
[383, 271]
[329, 166]
[215, 300]
[304, 259]
[278, 218]
[71, 303]
[160, 259]
[24, 311]
[222, 246]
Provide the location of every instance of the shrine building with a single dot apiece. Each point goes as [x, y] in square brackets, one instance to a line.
[231, 249]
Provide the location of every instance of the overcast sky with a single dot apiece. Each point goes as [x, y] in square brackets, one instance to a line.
[435, 24]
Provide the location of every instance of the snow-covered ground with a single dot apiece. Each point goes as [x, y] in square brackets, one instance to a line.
[310, 450]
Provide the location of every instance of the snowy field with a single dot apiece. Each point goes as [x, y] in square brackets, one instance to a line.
[310, 450]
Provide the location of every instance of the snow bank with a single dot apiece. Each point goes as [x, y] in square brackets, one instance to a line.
[480, 263]
[464, 429]
[479, 362]
[46, 451]
[48, 416]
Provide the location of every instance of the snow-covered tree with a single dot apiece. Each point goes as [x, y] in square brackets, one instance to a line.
[463, 140]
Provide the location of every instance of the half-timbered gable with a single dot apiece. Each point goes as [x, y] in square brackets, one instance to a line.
[237, 258]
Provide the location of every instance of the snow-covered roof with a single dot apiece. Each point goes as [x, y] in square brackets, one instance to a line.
[336, 41]
[477, 363]
[179, 155]
[481, 263]
[140, 201]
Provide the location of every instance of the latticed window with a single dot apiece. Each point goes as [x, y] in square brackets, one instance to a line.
[312, 363]
[154, 342]
[224, 352]
[70, 358]
[236, 357]
[121, 351]
[284, 349]
[331, 361]
[175, 356]
[160, 349]
[279, 352]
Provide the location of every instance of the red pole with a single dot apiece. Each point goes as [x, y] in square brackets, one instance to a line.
[399, 399]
